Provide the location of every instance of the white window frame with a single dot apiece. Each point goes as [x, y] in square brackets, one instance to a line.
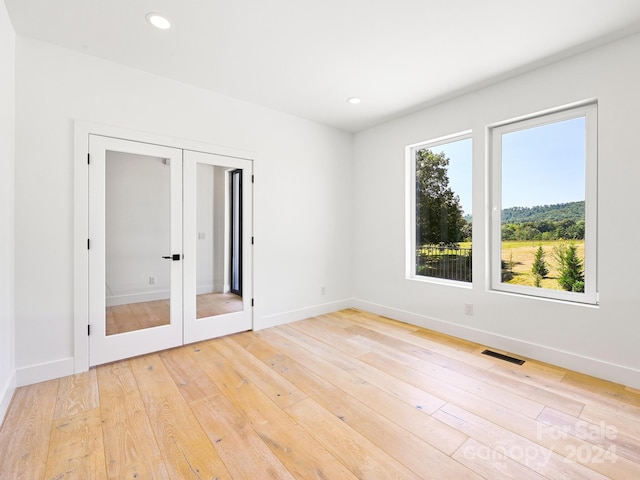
[410, 203]
[587, 109]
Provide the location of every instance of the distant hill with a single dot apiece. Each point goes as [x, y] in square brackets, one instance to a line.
[554, 213]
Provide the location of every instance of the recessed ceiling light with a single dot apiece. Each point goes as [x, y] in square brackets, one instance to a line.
[158, 21]
[354, 100]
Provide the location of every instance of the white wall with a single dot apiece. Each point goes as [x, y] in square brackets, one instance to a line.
[205, 202]
[7, 164]
[221, 230]
[303, 181]
[602, 341]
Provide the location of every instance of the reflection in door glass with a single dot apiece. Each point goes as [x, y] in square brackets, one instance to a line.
[214, 289]
[236, 232]
[138, 235]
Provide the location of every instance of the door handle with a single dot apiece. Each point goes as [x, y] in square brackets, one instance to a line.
[175, 257]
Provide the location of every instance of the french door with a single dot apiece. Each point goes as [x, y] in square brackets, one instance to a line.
[212, 306]
[159, 248]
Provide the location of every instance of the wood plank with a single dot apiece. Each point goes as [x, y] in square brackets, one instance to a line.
[280, 390]
[635, 391]
[131, 450]
[77, 449]
[426, 340]
[597, 414]
[300, 453]
[227, 430]
[77, 394]
[455, 388]
[409, 435]
[516, 422]
[111, 324]
[26, 432]
[125, 318]
[428, 350]
[236, 441]
[470, 368]
[349, 341]
[416, 397]
[331, 334]
[362, 317]
[345, 392]
[503, 446]
[603, 434]
[470, 377]
[361, 456]
[194, 383]
[609, 392]
[212, 304]
[531, 372]
[581, 388]
[185, 448]
[571, 455]
[486, 462]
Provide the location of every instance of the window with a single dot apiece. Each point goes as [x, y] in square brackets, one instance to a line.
[544, 188]
[439, 206]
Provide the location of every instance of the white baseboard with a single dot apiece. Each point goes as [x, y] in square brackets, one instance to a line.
[44, 371]
[6, 394]
[136, 298]
[295, 315]
[572, 361]
[204, 289]
[128, 298]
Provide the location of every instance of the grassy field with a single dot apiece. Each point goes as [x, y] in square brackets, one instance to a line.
[521, 255]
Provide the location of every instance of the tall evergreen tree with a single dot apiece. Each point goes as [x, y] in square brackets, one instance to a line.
[571, 270]
[439, 216]
[539, 266]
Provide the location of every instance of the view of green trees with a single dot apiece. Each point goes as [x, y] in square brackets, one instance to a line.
[570, 267]
[441, 227]
[545, 222]
[439, 216]
[553, 213]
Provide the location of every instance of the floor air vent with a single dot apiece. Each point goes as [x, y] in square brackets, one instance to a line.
[506, 358]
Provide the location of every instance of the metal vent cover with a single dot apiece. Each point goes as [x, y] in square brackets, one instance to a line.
[501, 356]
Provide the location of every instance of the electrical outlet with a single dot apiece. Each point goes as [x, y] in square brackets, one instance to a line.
[468, 309]
[323, 290]
[152, 280]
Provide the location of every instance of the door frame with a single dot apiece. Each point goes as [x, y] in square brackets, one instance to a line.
[82, 130]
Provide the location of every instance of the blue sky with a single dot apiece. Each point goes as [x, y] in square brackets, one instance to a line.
[540, 166]
[544, 165]
[460, 168]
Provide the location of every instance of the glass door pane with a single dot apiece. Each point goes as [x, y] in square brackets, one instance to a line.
[217, 226]
[214, 296]
[137, 236]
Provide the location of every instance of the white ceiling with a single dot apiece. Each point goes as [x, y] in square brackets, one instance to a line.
[307, 57]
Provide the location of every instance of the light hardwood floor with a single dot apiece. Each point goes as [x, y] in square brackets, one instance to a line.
[136, 316]
[342, 396]
[211, 304]
[141, 315]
